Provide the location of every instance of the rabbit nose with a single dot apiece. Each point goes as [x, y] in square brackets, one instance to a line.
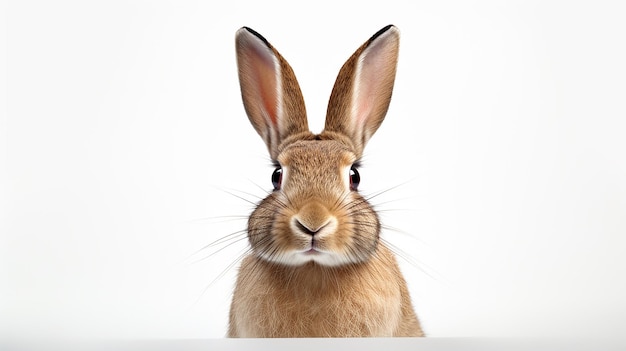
[306, 230]
[312, 218]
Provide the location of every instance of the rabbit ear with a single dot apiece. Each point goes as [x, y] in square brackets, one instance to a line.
[362, 91]
[269, 89]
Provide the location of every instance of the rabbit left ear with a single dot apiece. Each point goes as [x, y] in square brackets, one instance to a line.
[269, 89]
[362, 92]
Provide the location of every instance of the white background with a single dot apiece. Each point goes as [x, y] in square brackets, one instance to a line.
[125, 140]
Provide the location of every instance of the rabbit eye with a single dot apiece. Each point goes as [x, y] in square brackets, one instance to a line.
[277, 178]
[355, 178]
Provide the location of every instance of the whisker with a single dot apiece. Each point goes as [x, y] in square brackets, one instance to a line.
[260, 187]
[378, 193]
[223, 273]
[219, 219]
[410, 260]
[379, 204]
[241, 197]
[404, 232]
[223, 239]
[394, 210]
[233, 242]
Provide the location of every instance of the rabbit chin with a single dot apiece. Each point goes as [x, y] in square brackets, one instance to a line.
[300, 258]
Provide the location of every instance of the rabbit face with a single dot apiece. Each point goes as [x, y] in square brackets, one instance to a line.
[315, 215]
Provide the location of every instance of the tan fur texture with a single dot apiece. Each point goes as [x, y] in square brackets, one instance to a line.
[317, 267]
[313, 301]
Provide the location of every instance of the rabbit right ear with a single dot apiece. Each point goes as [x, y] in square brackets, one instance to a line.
[362, 92]
[269, 89]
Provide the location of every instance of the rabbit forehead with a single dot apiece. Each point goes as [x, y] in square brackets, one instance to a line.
[319, 155]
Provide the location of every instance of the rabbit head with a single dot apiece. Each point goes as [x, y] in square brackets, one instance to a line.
[315, 214]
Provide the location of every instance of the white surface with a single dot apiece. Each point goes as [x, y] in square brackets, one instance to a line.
[124, 125]
[363, 344]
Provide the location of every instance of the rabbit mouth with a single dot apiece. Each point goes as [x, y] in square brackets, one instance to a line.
[320, 257]
[313, 249]
[311, 253]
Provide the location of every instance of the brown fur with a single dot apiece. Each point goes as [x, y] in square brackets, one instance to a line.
[369, 299]
[317, 267]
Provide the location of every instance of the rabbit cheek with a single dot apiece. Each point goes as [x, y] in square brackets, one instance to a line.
[361, 228]
[263, 224]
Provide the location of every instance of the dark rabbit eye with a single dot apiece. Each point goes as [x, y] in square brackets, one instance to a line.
[277, 178]
[355, 178]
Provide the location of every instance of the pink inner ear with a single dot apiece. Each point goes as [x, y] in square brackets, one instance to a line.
[267, 86]
[363, 95]
[263, 75]
[366, 90]
[373, 82]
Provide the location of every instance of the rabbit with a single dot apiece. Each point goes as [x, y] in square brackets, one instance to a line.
[317, 267]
